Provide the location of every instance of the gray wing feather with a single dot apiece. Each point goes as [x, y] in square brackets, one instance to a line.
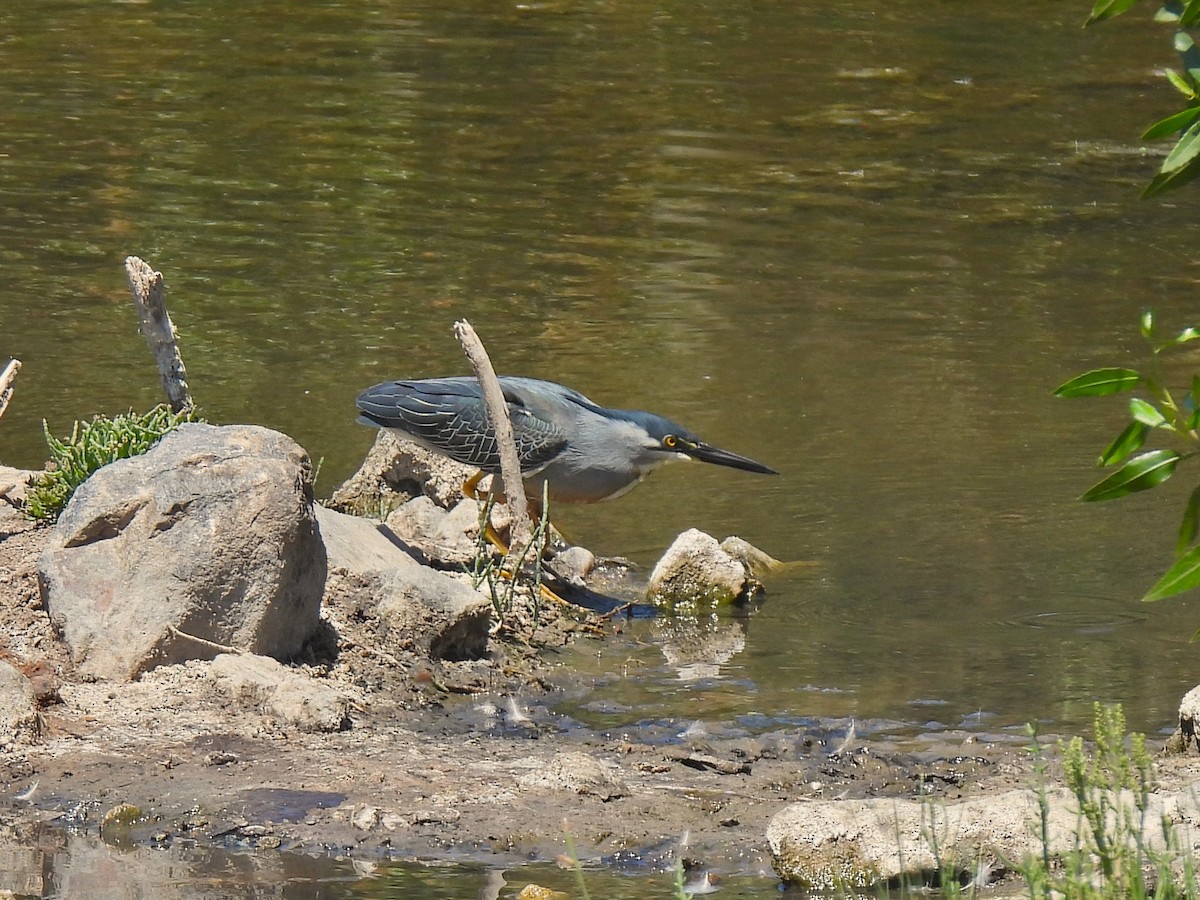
[449, 415]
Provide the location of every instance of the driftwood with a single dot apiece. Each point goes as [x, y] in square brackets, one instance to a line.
[6, 382]
[149, 296]
[510, 463]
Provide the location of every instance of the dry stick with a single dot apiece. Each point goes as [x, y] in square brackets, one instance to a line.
[149, 296]
[510, 463]
[6, 382]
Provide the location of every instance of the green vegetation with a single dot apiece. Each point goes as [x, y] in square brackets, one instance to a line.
[1112, 856]
[1160, 415]
[92, 445]
[503, 573]
[1183, 162]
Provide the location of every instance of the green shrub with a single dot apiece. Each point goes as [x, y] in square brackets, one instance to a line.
[92, 445]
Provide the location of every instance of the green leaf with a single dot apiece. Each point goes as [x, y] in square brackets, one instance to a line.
[1183, 576]
[1190, 14]
[1189, 524]
[1188, 334]
[1146, 323]
[1146, 413]
[1180, 84]
[1141, 473]
[1128, 441]
[1098, 383]
[1167, 181]
[1172, 124]
[1106, 9]
[1186, 150]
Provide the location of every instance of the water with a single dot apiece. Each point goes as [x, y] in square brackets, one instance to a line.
[860, 244]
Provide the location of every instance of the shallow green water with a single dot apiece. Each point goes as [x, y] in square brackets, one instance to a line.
[861, 244]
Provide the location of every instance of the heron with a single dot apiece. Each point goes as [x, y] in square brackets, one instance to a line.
[574, 449]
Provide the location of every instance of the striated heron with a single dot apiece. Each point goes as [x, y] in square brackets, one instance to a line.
[581, 451]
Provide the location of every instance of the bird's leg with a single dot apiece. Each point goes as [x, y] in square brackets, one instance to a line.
[471, 491]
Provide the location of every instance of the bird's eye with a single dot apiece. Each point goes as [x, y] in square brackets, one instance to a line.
[670, 441]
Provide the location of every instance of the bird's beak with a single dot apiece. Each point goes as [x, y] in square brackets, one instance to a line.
[710, 454]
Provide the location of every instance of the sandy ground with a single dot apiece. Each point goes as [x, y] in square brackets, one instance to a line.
[440, 760]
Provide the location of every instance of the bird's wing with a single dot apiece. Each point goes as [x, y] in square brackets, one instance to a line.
[449, 415]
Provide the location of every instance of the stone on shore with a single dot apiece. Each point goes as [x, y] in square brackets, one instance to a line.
[13, 485]
[845, 845]
[265, 686]
[394, 472]
[448, 538]
[211, 535]
[414, 607]
[19, 719]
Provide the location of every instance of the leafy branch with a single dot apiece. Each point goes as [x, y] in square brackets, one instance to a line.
[1159, 415]
[1183, 162]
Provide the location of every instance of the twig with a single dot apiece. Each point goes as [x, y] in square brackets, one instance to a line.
[510, 463]
[149, 296]
[220, 648]
[616, 611]
[6, 382]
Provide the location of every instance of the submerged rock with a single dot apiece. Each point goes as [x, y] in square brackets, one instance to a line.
[210, 535]
[696, 573]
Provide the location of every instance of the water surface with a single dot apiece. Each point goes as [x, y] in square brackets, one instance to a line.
[862, 244]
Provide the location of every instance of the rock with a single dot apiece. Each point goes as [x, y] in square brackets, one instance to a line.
[394, 472]
[416, 607]
[211, 533]
[269, 688]
[757, 562]
[574, 564]
[845, 845]
[1189, 720]
[695, 573]
[445, 537]
[13, 485]
[19, 719]
[577, 773]
[365, 817]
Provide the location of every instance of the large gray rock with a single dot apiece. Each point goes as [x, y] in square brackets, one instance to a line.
[416, 608]
[210, 535]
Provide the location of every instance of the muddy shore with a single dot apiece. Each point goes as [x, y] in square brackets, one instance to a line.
[455, 761]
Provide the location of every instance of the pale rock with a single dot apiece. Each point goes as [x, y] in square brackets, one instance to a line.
[210, 533]
[695, 573]
[416, 607]
[265, 686]
[20, 722]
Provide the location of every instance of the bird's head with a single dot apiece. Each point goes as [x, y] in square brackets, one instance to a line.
[663, 440]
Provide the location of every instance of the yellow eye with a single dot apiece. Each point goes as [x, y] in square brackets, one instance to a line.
[670, 441]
